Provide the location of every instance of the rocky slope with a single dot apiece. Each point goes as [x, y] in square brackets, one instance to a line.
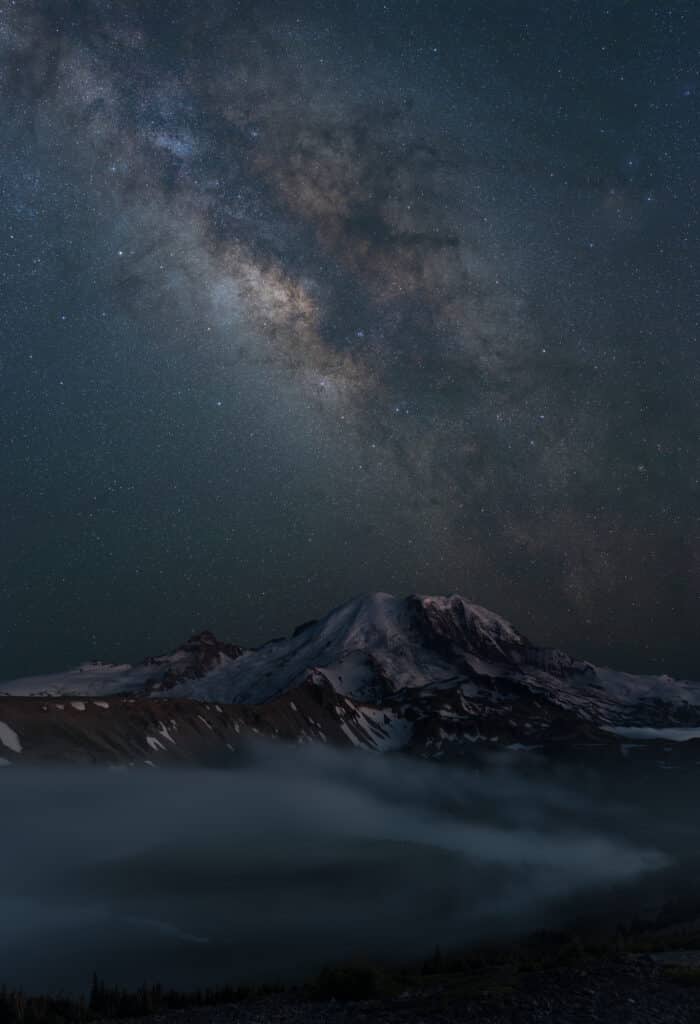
[436, 677]
[621, 990]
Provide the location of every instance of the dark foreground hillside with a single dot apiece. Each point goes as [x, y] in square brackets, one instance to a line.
[624, 991]
[641, 975]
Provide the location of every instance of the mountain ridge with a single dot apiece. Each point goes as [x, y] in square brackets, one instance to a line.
[434, 676]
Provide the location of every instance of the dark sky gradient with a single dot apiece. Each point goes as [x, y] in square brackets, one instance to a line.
[304, 300]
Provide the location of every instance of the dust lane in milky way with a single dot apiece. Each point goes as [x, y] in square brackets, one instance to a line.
[305, 300]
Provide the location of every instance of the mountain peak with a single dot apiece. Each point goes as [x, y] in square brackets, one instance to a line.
[434, 675]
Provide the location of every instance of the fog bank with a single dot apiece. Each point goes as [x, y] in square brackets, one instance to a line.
[296, 858]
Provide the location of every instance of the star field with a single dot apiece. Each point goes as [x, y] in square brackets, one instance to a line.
[299, 300]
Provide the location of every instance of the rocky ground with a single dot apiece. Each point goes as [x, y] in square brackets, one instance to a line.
[616, 990]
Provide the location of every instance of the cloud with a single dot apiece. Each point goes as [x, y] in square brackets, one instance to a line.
[295, 858]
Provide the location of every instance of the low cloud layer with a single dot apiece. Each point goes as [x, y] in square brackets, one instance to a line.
[295, 859]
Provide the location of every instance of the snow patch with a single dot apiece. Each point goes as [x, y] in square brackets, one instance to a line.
[79, 705]
[163, 729]
[9, 738]
[390, 731]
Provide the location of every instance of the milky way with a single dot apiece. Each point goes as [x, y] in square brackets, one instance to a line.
[301, 300]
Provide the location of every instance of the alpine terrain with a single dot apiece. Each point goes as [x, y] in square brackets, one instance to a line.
[434, 677]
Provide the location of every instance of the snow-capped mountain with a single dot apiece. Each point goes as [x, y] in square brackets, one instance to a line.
[434, 676]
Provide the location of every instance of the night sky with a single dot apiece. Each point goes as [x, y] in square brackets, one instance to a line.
[300, 300]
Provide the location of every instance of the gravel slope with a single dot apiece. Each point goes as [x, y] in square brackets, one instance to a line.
[625, 990]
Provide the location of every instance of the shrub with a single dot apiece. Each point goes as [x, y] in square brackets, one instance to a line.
[349, 982]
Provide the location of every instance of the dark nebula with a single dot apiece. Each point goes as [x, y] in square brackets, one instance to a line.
[303, 300]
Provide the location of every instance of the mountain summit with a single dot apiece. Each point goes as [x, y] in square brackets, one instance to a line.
[430, 675]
